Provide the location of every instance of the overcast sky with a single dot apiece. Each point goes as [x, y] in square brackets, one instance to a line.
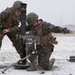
[58, 12]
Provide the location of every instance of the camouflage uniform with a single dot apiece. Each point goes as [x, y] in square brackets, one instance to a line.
[8, 20]
[45, 41]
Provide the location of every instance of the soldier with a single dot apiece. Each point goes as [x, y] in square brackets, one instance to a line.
[9, 22]
[45, 41]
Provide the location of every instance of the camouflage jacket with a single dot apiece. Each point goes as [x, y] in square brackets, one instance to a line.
[8, 21]
[43, 33]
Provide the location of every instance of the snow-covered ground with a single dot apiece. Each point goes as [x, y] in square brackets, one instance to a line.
[62, 52]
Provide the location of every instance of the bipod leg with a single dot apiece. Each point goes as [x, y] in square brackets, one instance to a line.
[14, 64]
[5, 69]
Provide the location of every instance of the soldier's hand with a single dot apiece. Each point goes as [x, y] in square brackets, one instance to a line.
[5, 31]
[72, 32]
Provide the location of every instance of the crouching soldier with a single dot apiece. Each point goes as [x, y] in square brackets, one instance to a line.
[9, 25]
[44, 40]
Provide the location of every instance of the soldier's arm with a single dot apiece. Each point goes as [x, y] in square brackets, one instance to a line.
[14, 29]
[29, 27]
[17, 28]
[11, 30]
[58, 29]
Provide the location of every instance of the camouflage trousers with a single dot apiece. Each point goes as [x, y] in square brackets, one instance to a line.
[16, 43]
[44, 56]
[44, 53]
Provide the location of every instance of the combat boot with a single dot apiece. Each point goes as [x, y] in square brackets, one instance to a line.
[51, 63]
[22, 64]
[32, 67]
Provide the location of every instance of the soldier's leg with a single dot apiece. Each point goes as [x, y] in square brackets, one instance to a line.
[31, 58]
[32, 63]
[21, 51]
[52, 61]
[44, 56]
[16, 44]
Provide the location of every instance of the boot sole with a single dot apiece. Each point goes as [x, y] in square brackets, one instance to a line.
[21, 66]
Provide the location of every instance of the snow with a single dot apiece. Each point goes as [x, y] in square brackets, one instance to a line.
[62, 51]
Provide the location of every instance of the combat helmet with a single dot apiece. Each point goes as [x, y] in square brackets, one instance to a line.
[16, 5]
[31, 18]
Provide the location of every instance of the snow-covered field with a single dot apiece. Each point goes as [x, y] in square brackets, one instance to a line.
[62, 51]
